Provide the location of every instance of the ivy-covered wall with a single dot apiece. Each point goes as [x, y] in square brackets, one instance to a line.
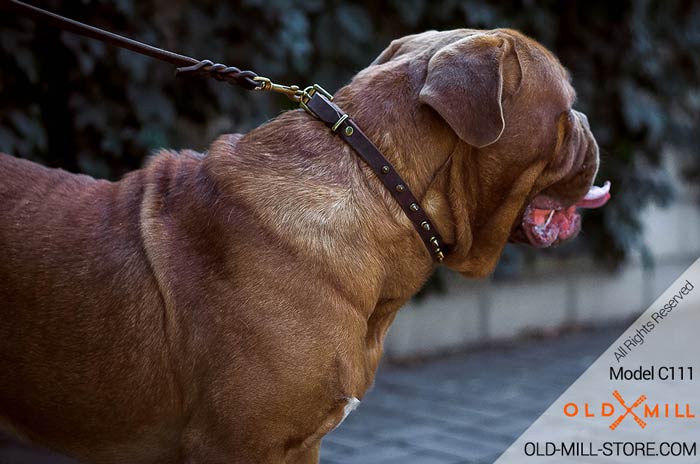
[75, 103]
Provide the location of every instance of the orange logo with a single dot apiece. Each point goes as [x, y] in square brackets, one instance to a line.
[622, 410]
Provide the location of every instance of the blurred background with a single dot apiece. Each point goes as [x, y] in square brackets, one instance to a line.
[74, 103]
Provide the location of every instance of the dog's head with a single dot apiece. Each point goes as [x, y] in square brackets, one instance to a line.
[522, 159]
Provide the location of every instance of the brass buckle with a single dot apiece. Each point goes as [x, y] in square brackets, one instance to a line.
[308, 93]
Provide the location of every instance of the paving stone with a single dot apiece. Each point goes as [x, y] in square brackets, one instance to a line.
[379, 454]
[350, 438]
[409, 431]
[510, 426]
[332, 449]
[426, 458]
[482, 433]
[462, 447]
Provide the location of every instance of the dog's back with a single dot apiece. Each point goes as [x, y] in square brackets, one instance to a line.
[44, 213]
[71, 261]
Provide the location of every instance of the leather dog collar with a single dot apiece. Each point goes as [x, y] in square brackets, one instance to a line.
[323, 108]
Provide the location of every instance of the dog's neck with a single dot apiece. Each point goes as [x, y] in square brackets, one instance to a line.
[321, 200]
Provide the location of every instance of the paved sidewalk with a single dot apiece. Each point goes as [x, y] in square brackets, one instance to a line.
[462, 409]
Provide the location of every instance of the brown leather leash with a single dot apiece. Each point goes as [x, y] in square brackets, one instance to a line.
[313, 99]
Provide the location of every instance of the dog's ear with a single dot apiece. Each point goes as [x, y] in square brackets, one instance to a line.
[396, 47]
[465, 85]
[389, 51]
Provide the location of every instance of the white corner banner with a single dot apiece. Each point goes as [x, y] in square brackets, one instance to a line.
[639, 402]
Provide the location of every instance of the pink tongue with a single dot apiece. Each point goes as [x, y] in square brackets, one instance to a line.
[596, 197]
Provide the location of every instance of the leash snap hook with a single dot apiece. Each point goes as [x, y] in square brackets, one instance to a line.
[293, 92]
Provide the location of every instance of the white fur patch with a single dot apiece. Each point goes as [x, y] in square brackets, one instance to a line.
[350, 406]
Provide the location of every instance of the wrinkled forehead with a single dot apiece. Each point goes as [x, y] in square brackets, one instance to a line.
[543, 68]
[429, 42]
[422, 46]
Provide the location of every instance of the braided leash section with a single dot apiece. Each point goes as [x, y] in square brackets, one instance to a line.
[221, 72]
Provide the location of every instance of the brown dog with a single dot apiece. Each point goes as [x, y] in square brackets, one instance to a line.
[230, 308]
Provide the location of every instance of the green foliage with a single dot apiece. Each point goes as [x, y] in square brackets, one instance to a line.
[74, 103]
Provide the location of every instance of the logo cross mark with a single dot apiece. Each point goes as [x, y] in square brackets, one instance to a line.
[628, 410]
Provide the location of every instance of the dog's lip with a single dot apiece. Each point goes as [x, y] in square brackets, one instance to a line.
[547, 227]
[547, 222]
